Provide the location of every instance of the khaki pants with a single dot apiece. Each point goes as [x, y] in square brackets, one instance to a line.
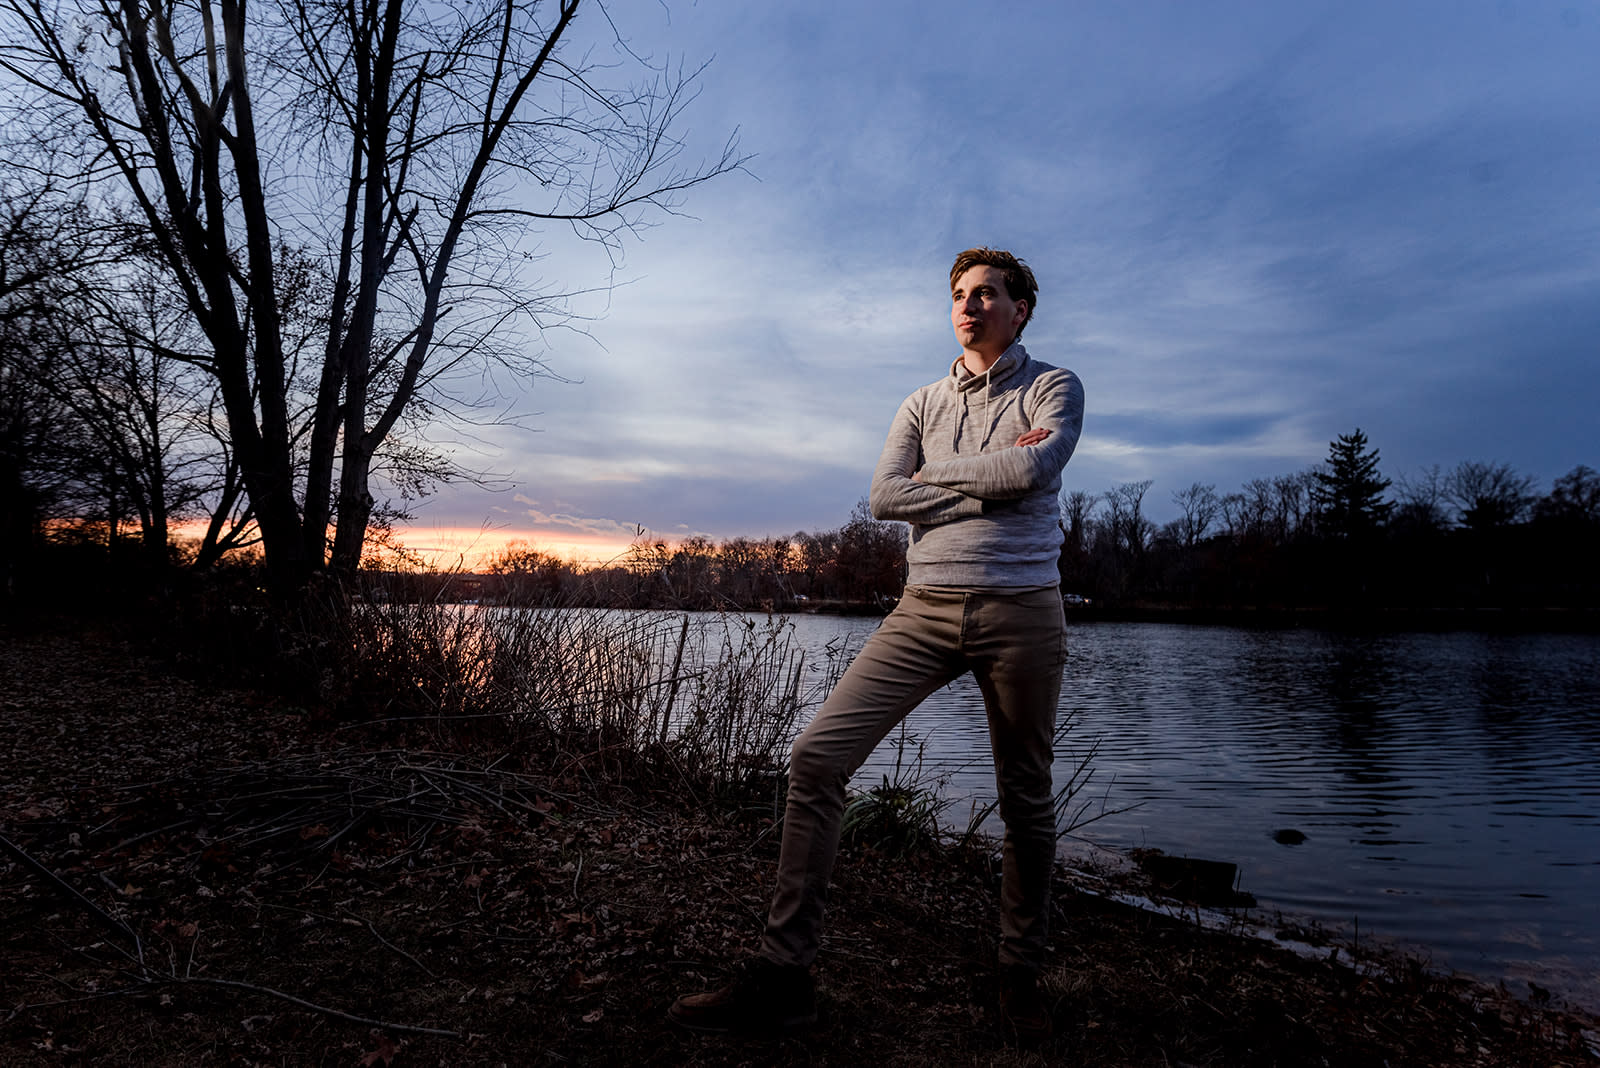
[1015, 647]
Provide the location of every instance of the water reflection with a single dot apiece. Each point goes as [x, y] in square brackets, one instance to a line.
[1448, 784]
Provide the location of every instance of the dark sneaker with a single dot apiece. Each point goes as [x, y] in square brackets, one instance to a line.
[1023, 1015]
[763, 999]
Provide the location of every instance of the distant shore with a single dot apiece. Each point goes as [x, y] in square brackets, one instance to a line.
[1372, 617]
[1508, 620]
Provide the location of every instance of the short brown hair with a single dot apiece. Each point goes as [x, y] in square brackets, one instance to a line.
[1020, 283]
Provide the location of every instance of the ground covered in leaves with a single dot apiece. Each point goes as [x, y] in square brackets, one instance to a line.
[196, 876]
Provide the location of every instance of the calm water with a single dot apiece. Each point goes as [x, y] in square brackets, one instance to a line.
[1448, 784]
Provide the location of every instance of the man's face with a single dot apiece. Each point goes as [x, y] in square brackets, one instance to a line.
[985, 317]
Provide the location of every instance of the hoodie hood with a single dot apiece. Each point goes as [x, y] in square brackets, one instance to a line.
[966, 385]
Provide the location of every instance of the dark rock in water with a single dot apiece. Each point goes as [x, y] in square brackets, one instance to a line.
[1288, 836]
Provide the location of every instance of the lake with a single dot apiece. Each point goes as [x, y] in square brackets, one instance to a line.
[1448, 785]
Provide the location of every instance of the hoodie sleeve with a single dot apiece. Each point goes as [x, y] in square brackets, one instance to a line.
[896, 496]
[1012, 472]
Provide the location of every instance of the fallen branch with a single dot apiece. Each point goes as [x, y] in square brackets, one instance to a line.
[366, 1021]
[97, 996]
[156, 980]
[373, 928]
[65, 888]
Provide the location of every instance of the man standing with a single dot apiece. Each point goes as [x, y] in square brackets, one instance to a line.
[973, 463]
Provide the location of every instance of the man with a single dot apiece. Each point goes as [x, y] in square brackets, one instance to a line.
[973, 462]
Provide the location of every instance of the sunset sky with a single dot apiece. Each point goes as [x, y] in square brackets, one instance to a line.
[1255, 226]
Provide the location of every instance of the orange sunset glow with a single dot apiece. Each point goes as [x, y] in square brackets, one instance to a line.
[471, 548]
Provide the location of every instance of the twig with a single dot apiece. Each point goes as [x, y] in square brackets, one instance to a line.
[758, 839]
[329, 842]
[367, 1021]
[233, 984]
[468, 788]
[120, 992]
[755, 913]
[371, 927]
[125, 843]
[62, 886]
[677, 680]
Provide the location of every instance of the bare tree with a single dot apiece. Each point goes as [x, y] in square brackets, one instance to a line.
[1488, 495]
[1573, 498]
[416, 146]
[1421, 501]
[1233, 514]
[870, 560]
[529, 575]
[1259, 499]
[1199, 507]
[1077, 511]
[48, 469]
[815, 552]
[739, 564]
[38, 439]
[1129, 527]
[777, 562]
[693, 571]
[1291, 503]
[119, 366]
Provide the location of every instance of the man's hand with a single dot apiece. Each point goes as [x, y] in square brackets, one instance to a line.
[1033, 437]
[1030, 437]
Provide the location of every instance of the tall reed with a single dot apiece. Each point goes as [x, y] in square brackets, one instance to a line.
[714, 697]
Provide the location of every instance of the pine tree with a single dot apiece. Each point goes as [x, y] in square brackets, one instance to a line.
[1349, 489]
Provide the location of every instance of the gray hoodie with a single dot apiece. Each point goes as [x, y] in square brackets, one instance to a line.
[985, 512]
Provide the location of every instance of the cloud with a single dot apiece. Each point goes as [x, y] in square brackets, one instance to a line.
[1255, 226]
[563, 524]
[1166, 431]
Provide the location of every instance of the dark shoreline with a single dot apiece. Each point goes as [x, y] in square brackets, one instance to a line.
[1279, 617]
[1383, 620]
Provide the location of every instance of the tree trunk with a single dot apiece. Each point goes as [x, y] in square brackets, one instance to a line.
[355, 510]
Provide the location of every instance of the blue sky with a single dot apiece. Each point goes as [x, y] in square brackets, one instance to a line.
[1255, 226]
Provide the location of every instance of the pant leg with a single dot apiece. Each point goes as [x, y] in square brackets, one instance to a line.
[912, 654]
[1017, 647]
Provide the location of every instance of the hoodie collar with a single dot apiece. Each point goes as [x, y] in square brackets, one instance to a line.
[966, 384]
[1002, 369]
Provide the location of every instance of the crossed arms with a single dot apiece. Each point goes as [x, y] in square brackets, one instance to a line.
[943, 490]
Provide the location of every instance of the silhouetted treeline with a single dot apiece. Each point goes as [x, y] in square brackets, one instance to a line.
[859, 566]
[1337, 536]
[1341, 536]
